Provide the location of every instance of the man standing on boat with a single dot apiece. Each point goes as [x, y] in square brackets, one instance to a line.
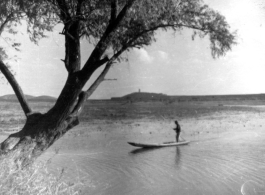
[178, 130]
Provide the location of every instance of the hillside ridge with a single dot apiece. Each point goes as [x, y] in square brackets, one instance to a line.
[145, 96]
[13, 97]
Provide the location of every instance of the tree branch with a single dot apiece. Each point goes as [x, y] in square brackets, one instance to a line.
[18, 91]
[114, 4]
[100, 78]
[78, 7]
[8, 18]
[65, 15]
[72, 47]
[130, 42]
[84, 95]
[78, 107]
[102, 45]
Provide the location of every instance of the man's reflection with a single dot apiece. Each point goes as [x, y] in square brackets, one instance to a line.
[178, 157]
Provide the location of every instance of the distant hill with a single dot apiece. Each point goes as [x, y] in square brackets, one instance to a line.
[43, 98]
[143, 96]
[13, 97]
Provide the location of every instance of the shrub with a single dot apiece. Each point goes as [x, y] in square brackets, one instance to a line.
[34, 180]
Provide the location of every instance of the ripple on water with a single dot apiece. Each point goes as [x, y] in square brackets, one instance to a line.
[213, 167]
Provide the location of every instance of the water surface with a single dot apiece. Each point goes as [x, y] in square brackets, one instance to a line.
[229, 164]
[226, 154]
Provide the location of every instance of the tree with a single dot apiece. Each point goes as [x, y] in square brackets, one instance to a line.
[114, 26]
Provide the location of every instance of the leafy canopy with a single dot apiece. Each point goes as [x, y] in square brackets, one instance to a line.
[98, 18]
[142, 20]
[13, 13]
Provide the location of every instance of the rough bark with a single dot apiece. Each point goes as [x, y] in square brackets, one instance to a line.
[38, 134]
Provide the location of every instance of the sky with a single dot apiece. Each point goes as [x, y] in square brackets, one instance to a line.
[174, 65]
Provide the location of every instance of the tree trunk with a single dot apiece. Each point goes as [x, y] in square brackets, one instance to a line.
[42, 130]
[38, 134]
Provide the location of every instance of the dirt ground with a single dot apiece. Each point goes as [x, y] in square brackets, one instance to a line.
[154, 120]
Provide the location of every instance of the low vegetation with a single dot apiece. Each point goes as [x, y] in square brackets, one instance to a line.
[35, 179]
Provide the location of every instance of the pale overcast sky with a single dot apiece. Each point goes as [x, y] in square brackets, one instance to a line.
[174, 65]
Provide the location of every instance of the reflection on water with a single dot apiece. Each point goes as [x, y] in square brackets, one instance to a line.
[143, 150]
[178, 157]
[218, 166]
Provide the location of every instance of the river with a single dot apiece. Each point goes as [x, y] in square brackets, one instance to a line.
[225, 156]
[107, 165]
